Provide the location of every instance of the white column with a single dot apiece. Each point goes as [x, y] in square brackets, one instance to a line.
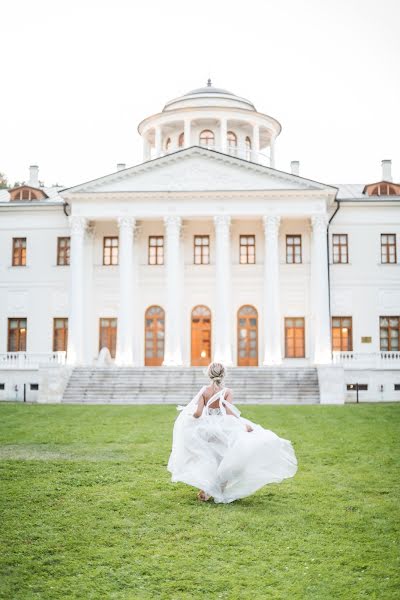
[256, 143]
[272, 153]
[320, 291]
[223, 291]
[174, 288]
[75, 353]
[125, 333]
[158, 140]
[146, 149]
[223, 134]
[187, 133]
[272, 313]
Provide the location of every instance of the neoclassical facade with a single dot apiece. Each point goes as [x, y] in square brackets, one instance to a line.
[203, 250]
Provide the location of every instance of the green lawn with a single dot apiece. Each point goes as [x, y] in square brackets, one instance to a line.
[88, 510]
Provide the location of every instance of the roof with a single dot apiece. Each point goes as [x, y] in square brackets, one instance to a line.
[354, 191]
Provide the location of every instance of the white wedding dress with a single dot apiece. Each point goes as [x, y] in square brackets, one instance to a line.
[215, 452]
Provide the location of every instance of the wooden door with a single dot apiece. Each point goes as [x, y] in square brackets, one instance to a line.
[247, 336]
[108, 334]
[294, 337]
[154, 336]
[201, 336]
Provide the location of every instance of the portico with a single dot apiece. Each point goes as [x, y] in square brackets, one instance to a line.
[222, 286]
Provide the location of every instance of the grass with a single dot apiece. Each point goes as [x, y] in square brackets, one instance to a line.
[88, 510]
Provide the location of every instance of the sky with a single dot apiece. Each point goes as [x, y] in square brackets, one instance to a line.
[77, 76]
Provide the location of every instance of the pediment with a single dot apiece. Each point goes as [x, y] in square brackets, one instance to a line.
[197, 169]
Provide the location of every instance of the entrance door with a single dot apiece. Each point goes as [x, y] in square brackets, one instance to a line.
[201, 336]
[108, 335]
[247, 336]
[154, 336]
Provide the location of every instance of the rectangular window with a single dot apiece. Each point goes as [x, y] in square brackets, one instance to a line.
[16, 335]
[352, 387]
[388, 248]
[110, 251]
[396, 387]
[247, 250]
[108, 334]
[34, 387]
[2, 386]
[156, 250]
[389, 333]
[294, 337]
[19, 252]
[63, 249]
[342, 334]
[340, 248]
[293, 249]
[60, 334]
[201, 250]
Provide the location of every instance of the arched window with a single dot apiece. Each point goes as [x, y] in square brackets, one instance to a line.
[247, 336]
[201, 336]
[168, 144]
[154, 336]
[181, 140]
[206, 138]
[232, 139]
[27, 193]
[247, 143]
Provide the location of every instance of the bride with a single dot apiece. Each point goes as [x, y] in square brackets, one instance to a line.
[225, 455]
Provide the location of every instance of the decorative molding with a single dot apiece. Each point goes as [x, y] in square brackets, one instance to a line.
[78, 225]
[172, 222]
[126, 221]
[222, 222]
[319, 223]
[271, 225]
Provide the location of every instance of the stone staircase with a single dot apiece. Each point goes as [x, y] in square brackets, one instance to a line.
[177, 385]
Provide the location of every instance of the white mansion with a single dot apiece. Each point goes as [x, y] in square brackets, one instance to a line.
[205, 250]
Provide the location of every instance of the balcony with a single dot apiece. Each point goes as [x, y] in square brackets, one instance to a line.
[373, 360]
[31, 360]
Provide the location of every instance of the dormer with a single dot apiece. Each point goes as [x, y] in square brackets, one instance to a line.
[382, 188]
[27, 193]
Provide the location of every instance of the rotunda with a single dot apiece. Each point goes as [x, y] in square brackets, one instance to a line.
[214, 118]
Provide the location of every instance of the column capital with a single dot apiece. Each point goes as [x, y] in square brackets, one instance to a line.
[319, 222]
[126, 221]
[222, 222]
[271, 224]
[78, 224]
[172, 222]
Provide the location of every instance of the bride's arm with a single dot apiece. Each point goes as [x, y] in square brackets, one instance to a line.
[229, 398]
[199, 410]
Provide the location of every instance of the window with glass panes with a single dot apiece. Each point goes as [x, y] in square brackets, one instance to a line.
[19, 252]
[110, 251]
[294, 337]
[60, 334]
[340, 248]
[247, 250]
[389, 333]
[293, 249]
[17, 328]
[156, 250]
[342, 334]
[63, 250]
[201, 249]
[108, 334]
[388, 248]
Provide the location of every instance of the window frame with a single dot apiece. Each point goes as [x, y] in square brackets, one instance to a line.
[247, 246]
[389, 338]
[340, 327]
[303, 329]
[63, 251]
[387, 247]
[157, 247]
[340, 245]
[212, 138]
[20, 336]
[204, 256]
[64, 329]
[111, 247]
[113, 338]
[300, 246]
[18, 256]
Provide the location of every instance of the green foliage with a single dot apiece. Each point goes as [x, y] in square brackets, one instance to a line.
[88, 510]
[3, 182]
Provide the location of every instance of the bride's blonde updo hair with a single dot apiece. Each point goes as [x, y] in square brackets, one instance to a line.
[216, 372]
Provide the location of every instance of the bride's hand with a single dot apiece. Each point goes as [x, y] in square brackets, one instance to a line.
[248, 428]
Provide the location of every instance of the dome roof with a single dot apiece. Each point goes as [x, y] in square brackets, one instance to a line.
[203, 97]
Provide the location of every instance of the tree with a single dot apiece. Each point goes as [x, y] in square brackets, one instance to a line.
[3, 182]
